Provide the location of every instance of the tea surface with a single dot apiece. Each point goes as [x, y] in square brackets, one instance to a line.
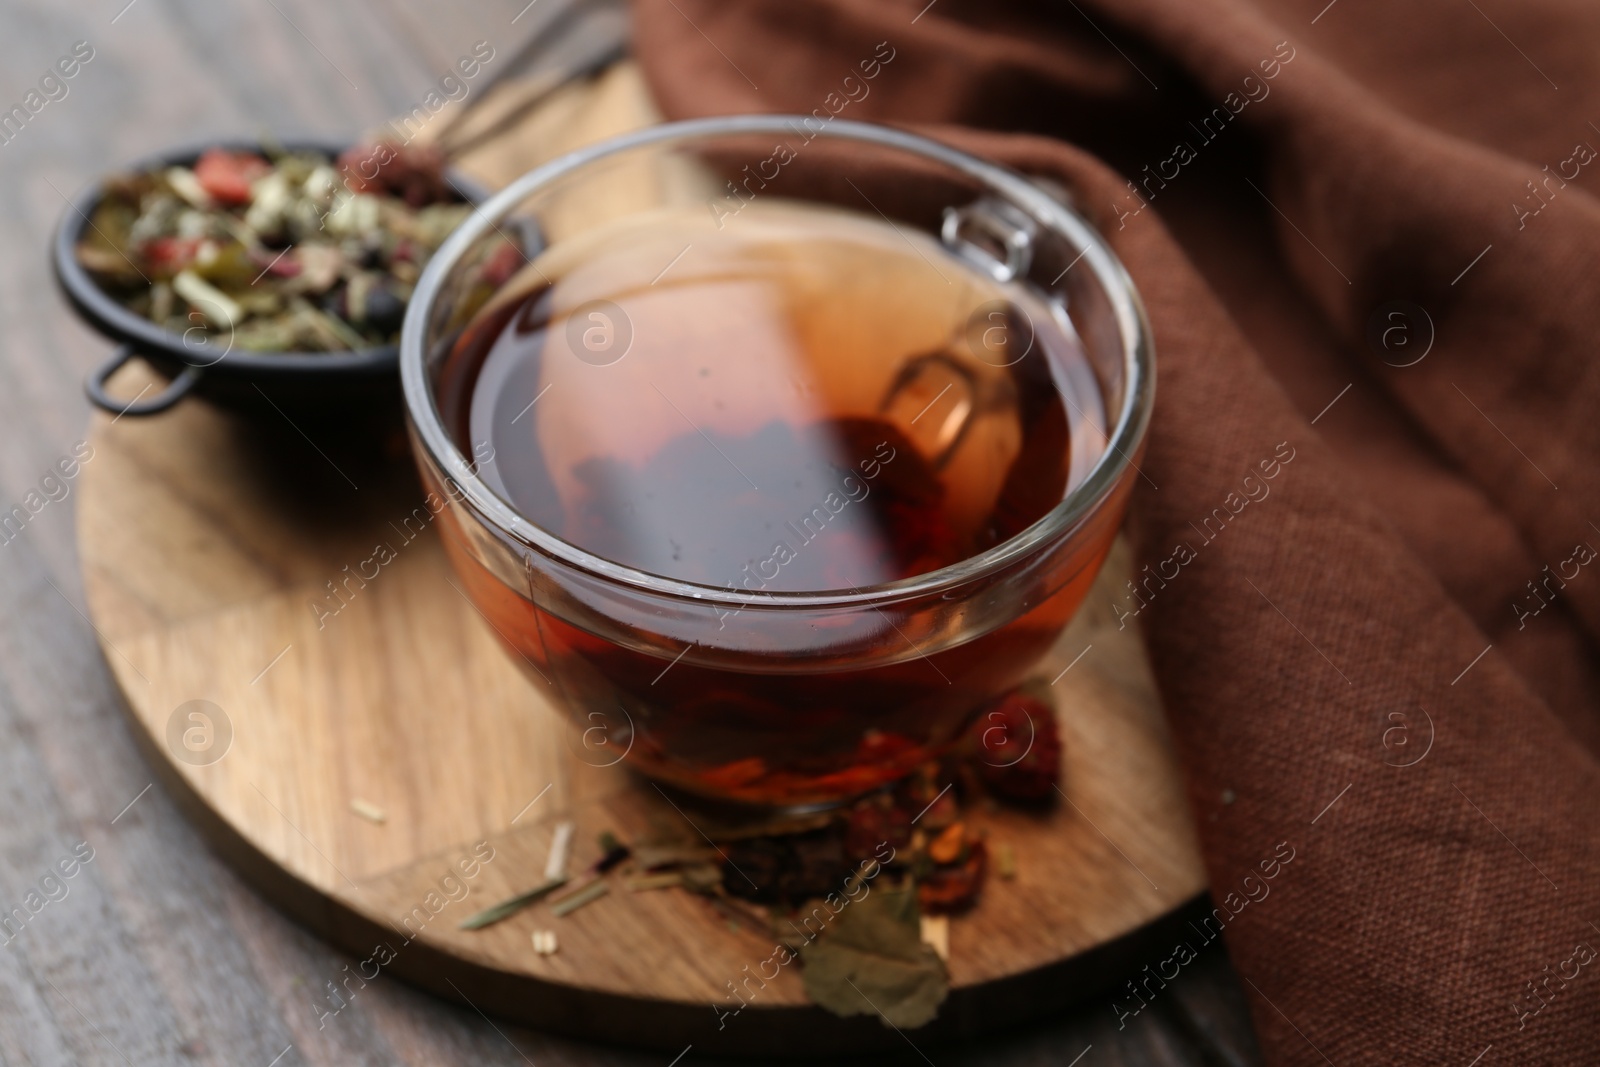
[806, 399]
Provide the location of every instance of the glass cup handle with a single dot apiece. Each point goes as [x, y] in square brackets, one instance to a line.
[993, 235]
[997, 238]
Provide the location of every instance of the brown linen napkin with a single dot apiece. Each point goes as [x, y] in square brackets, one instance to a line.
[1371, 254]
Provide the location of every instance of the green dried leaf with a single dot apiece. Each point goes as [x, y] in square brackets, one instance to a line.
[648, 882]
[219, 309]
[656, 856]
[872, 962]
[507, 908]
[702, 877]
[587, 895]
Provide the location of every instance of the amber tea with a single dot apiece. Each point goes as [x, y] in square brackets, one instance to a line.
[805, 400]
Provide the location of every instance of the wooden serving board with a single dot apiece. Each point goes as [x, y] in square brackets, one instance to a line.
[205, 545]
[207, 548]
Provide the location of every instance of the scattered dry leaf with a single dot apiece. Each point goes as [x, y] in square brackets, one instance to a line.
[507, 908]
[672, 854]
[573, 901]
[872, 961]
[663, 880]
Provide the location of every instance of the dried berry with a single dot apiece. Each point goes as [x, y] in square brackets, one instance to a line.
[916, 791]
[874, 822]
[414, 173]
[1018, 749]
[752, 869]
[166, 256]
[949, 889]
[940, 812]
[946, 848]
[385, 310]
[787, 869]
[227, 176]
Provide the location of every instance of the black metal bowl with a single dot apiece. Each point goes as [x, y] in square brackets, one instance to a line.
[353, 385]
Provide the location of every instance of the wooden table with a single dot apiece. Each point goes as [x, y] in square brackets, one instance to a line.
[158, 953]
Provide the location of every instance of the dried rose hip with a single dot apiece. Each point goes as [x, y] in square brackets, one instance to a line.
[1018, 749]
[166, 256]
[414, 173]
[946, 848]
[786, 869]
[954, 888]
[874, 822]
[919, 789]
[752, 869]
[227, 175]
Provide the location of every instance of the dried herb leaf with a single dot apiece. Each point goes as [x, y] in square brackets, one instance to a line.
[654, 857]
[612, 858]
[787, 869]
[872, 961]
[702, 877]
[587, 895]
[664, 880]
[507, 908]
[245, 232]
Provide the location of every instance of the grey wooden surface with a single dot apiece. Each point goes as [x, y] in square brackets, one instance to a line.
[158, 954]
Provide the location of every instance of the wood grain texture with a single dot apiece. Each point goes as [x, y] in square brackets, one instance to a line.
[161, 954]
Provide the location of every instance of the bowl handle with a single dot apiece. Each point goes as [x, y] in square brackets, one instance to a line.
[95, 387]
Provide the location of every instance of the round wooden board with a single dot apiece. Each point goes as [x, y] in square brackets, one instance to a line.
[205, 544]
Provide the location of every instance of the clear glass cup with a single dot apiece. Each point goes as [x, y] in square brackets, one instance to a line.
[788, 698]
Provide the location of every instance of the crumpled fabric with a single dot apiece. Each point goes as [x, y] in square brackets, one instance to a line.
[1368, 241]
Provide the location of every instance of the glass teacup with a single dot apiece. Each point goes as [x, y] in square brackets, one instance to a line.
[952, 448]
